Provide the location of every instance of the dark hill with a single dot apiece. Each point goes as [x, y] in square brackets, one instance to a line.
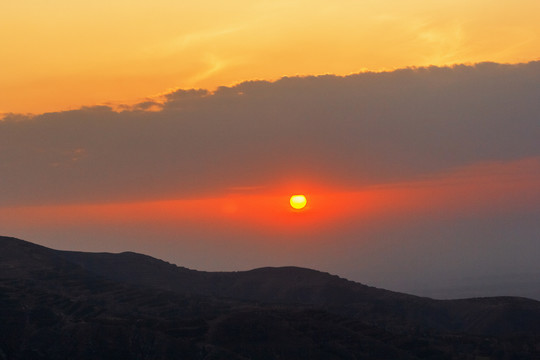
[293, 285]
[60, 305]
[279, 285]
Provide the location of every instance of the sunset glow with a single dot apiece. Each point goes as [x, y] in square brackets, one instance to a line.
[481, 189]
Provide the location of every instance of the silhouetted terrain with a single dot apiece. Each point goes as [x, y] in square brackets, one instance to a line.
[74, 305]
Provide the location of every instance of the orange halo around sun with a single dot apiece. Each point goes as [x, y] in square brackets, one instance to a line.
[298, 201]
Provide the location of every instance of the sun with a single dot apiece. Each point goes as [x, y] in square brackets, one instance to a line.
[298, 201]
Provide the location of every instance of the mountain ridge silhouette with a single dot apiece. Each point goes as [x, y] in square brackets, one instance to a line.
[115, 299]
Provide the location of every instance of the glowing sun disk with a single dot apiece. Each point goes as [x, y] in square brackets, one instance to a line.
[298, 201]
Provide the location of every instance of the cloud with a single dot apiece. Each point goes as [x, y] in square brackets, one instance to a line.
[345, 132]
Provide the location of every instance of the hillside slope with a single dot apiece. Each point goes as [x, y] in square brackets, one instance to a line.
[59, 305]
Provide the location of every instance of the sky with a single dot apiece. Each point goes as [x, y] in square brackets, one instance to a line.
[64, 54]
[181, 130]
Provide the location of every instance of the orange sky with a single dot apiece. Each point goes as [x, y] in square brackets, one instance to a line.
[61, 54]
[482, 189]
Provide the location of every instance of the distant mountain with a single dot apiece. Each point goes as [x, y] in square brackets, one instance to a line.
[518, 284]
[62, 305]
